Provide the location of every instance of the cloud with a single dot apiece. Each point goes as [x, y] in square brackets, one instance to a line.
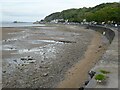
[22, 9]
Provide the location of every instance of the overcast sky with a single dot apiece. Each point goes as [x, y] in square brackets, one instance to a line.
[32, 10]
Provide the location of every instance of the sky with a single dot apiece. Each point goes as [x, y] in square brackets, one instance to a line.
[33, 10]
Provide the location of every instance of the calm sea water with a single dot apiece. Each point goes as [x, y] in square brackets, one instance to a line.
[11, 24]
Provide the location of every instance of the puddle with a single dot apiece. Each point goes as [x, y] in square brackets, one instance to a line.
[37, 49]
[8, 47]
[17, 38]
[65, 41]
[44, 53]
[12, 33]
[18, 61]
[47, 28]
[51, 41]
[44, 41]
[28, 50]
[60, 38]
[12, 39]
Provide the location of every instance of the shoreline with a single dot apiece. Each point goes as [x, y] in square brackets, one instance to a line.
[75, 78]
[109, 62]
[37, 42]
[69, 67]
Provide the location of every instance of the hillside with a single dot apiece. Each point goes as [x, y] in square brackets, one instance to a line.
[101, 13]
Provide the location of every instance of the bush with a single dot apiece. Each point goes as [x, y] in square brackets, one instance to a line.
[100, 77]
[104, 71]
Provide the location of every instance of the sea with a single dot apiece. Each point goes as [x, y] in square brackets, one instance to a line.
[23, 24]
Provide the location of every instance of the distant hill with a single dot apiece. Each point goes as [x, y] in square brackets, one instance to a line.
[105, 12]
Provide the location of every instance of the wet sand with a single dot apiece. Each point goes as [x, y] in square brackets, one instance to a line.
[40, 57]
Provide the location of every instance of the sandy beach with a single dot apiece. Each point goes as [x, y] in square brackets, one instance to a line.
[49, 56]
[78, 74]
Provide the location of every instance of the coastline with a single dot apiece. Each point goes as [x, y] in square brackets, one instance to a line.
[78, 74]
[54, 50]
[109, 62]
[71, 62]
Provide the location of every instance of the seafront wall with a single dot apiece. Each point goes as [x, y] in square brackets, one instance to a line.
[109, 60]
[110, 34]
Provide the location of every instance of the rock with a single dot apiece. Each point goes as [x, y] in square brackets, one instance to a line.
[23, 58]
[45, 74]
[86, 82]
[30, 58]
[81, 88]
[22, 64]
[40, 67]
[42, 61]
[66, 41]
[4, 71]
[87, 27]
[100, 46]
[4, 40]
[45, 66]
[28, 49]
[21, 69]
[92, 73]
[51, 76]
[11, 48]
[15, 60]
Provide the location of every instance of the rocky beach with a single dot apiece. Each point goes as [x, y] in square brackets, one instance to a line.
[49, 56]
[63, 44]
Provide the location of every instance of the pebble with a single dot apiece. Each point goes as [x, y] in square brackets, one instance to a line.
[40, 67]
[15, 60]
[86, 82]
[4, 71]
[51, 76]
[45, 66]
[81, 88]
[91, 74]
[100, 46]
[22, 58]
[30, 58]
[27, 58]
[42, 61]
[45, 74]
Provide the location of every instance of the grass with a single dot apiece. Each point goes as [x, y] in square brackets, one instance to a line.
[100, 77]
[104, 71]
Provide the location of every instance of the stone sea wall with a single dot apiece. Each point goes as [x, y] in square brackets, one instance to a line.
[110, 34]
[109, 61]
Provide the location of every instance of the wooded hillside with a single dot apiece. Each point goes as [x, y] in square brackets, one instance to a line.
[101, 13]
